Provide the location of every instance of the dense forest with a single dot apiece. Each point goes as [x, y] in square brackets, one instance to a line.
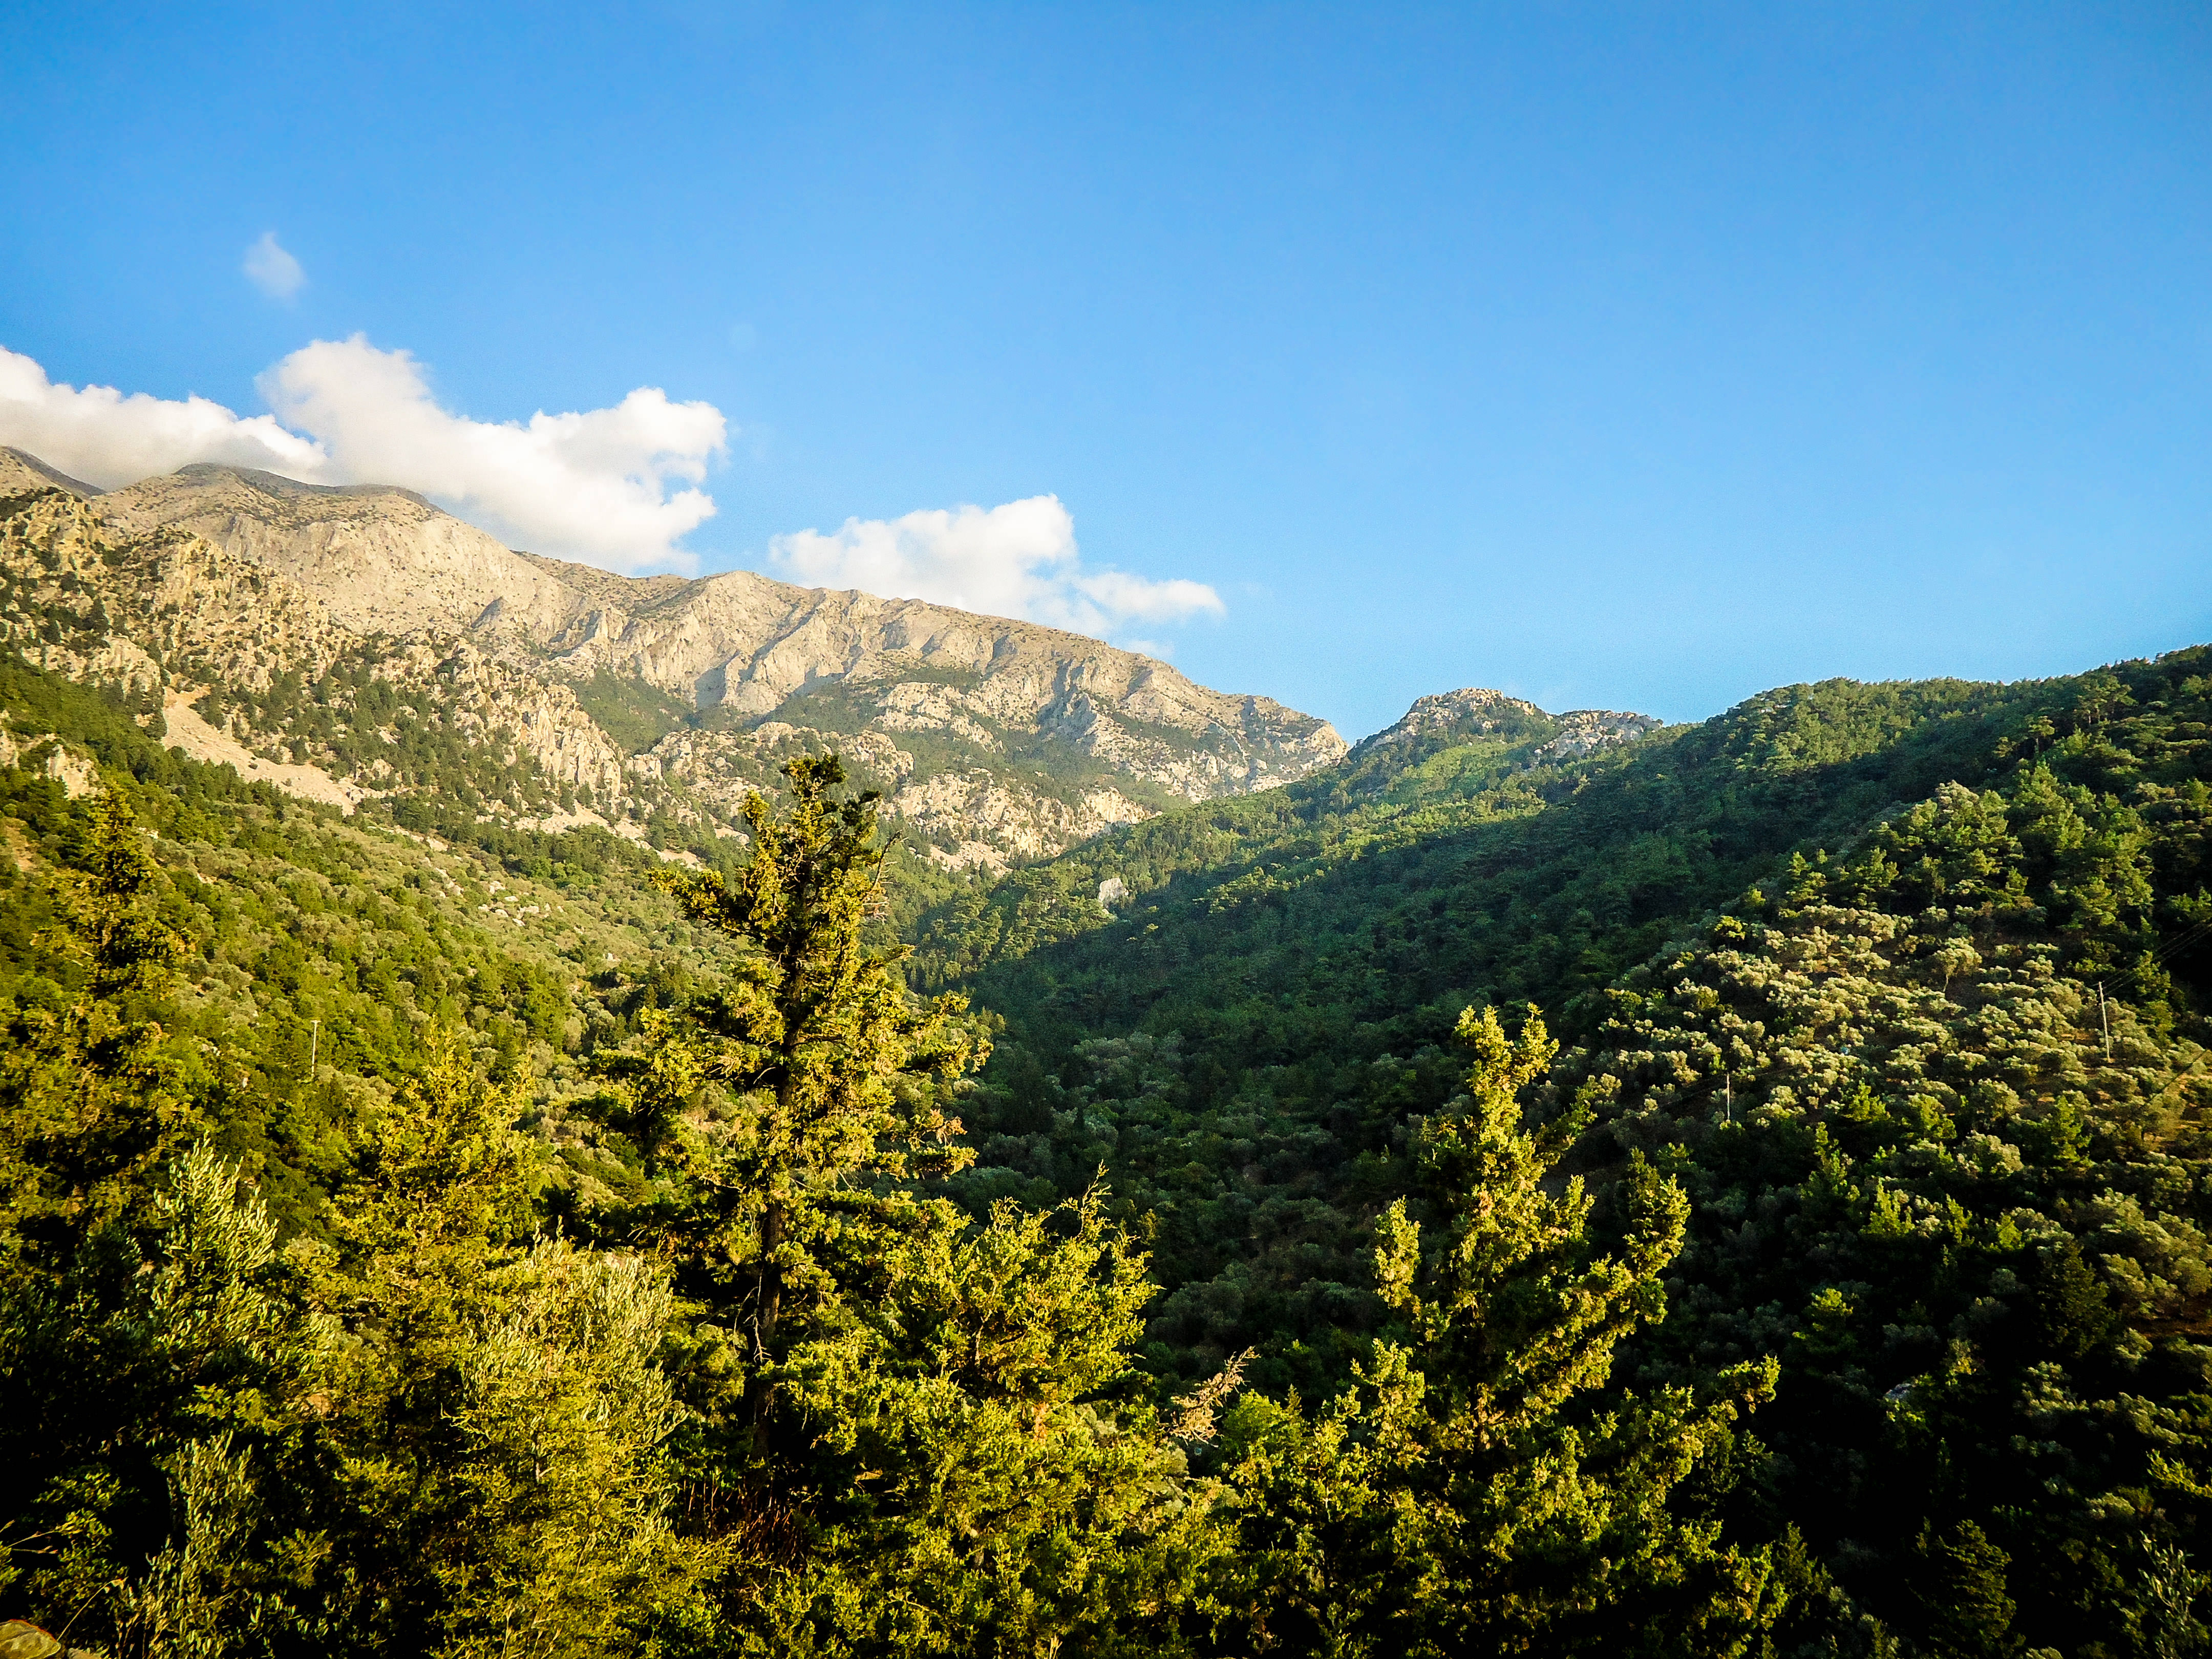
[1738, 1192]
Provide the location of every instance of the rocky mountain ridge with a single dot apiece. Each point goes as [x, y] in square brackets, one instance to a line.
[1473, 712]
[994, 740]
[1452, 729]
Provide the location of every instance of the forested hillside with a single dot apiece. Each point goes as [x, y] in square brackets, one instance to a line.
[1940, 1108]
[1905, 982]
[1242, 1039]
[1543, 1184]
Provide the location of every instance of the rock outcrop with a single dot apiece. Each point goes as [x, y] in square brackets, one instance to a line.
[1473, 726]
[1474, 713]
[994, 740]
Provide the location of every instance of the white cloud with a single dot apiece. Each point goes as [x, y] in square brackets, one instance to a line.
[107, 439]
[595, 486]
[1018, 560]
[272, 269]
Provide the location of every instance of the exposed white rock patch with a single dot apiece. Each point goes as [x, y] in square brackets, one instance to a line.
[913, 707]
[75, 773]
[995, 826]
[1589, 730]
[201, 742]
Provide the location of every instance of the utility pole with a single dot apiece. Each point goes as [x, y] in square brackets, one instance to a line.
[2103, 1023]
[314, 1048]
[1728, 1096]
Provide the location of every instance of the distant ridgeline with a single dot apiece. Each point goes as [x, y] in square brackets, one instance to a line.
[365, 649]
[453, 1197]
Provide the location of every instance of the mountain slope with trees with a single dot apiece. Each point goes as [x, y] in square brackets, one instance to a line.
[1543, 1183]
[1906, 983]
[1241, 1038]
[784, 1395]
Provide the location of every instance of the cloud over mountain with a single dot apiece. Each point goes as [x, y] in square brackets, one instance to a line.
[594, 486]
[1017, 560]
[618, 486]
[99, 434]
[615, 487]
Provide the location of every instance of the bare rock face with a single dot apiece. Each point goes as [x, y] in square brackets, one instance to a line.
[52, 561]
[383, 561]
[976, 819]
[22, 474]
[169, 616]
[386, 561]
[1589, 730]
[994, 740]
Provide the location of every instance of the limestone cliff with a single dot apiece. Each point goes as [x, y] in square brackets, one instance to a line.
[994, 740]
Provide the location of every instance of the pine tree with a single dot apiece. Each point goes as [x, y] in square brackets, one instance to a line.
[989, 1475]
[941, 1443]
[2073, 1315]
[1961, 1588]
[834, 1074]
[90, 1108]
[1462, 1498]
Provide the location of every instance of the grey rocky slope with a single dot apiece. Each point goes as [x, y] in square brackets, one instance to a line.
[627, 698]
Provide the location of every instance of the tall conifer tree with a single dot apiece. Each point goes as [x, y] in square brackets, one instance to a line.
[836, 1073]
[90, 1108]
[942, 1444]
[1463, 1498]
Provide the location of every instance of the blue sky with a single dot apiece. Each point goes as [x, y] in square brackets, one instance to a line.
[1630, 356]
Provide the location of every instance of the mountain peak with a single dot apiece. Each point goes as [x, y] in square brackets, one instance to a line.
[1471, 711]
[21, 472]
[994, 739]
[1477, 718]
[285, 488]
[1475, 711]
